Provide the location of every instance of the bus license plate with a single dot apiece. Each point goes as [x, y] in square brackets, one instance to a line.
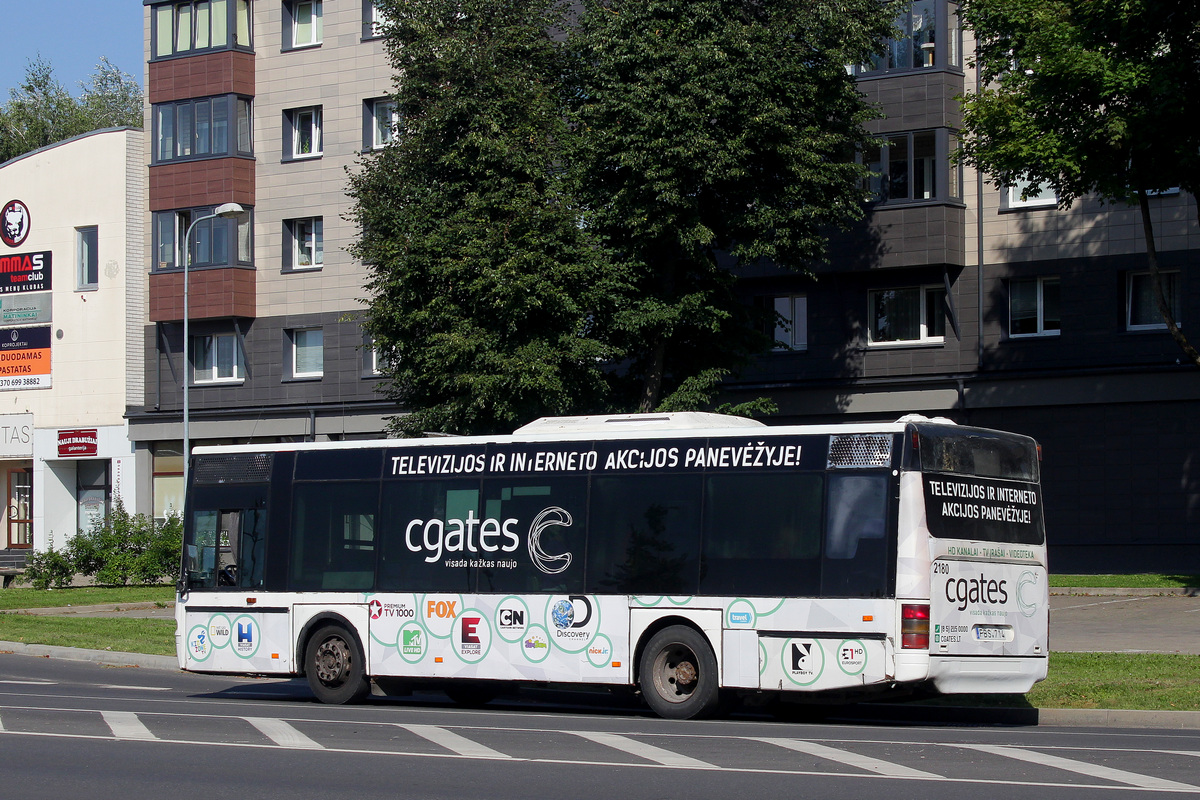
[993, 633]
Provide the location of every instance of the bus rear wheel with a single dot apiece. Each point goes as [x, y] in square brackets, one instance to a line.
[678, 674]
[335, 668]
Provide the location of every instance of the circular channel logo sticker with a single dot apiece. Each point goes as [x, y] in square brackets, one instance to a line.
[473, 635]
[599, 651]
[220, 629]
[512, 618]
[245, 636]
[199, 645]
[572, 621]
[852, 656]
[536, 644]
[803, 661]
[412, 641]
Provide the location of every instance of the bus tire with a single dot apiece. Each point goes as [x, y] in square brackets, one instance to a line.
[334, 666]
[678, 674]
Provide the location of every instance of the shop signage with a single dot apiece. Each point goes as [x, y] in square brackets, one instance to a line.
[25, 272]
[25, 358]
[14, 223]
[78, 442]
[25, 309]
[16, 435]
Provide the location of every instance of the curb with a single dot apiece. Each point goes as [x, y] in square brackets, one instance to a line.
[66, 611]
[105, 657]
[1098, 591]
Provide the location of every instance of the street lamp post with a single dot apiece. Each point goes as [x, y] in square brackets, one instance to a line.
[223, 211]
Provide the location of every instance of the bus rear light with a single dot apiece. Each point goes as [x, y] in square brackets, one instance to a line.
[914, 626]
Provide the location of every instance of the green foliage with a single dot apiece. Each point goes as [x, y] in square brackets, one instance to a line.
[128, 548]
[713, 129]
[50, 568]
[1089, 97]
[556, 226]
[484, 284]
[41, 111]
[1086, 96]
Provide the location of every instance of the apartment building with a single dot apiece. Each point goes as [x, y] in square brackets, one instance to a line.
[953, 298]
[990, 307]
[263, 104]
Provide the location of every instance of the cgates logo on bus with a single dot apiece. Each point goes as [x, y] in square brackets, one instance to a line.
[435, 538]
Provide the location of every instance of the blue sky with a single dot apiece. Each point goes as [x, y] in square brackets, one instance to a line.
[70, 34]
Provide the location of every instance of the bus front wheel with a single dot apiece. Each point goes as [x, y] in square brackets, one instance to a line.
[335, 667]
[678, 674]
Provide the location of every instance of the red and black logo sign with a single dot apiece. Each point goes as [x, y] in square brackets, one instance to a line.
[14, 223]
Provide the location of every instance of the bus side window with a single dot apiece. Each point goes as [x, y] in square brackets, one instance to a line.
[553, 511]
[762, 534]
[333, 536]
[856, 552]
[644, 535]
[202, 550]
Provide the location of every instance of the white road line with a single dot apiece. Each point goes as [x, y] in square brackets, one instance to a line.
[283, 734]
[1102, 603]
[647, 751]
[134, 688]
[850, 759]
[126, 725]
[30, 683]
[1080, 767]
[453, 742]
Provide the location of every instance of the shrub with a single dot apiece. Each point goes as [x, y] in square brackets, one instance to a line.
[128, 548]
[50, 569]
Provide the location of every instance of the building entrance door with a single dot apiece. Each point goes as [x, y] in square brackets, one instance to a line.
[20, 508]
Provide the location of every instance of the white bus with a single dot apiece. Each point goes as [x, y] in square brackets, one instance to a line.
[686, 555]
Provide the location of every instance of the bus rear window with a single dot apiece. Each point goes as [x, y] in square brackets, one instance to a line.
[971, 451]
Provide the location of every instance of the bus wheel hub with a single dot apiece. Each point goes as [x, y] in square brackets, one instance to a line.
[685, 673]
[333, 660]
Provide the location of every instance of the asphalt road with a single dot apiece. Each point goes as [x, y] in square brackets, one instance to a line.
[1125, 624]
[72, 729]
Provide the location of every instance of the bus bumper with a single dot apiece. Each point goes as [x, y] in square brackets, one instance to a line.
[982, 675]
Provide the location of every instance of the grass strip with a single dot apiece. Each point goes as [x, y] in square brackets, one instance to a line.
[151, 636]
[1142, 581]
[13, 598]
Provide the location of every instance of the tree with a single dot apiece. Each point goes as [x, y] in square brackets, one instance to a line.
[484, 286]
[557, 225]
[41, 112]
[1089, 97]
[712, 129]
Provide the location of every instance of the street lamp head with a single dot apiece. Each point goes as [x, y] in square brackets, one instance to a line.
[229, 211]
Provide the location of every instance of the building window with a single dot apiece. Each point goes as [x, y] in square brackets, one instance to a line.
[187, 27]
[304, 246]
[1141, 307]
[167, 476]
[930, 37]
[215, 242]
[1033, 307]
[217, 358]
[306, 27]
[913, 167]
[302, 136]
[372, 20]
[382, 120]
[200, 129]
[307, 357]
[87, 260]
[791, 322]
[1018, 196]
[93, 492]
[909, 315]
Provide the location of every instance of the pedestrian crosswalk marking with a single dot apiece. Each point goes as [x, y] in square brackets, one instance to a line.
[126, 725]
[1081, 767]
[453, 742]
[283, 734]
[647, 751]
[849, 758]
